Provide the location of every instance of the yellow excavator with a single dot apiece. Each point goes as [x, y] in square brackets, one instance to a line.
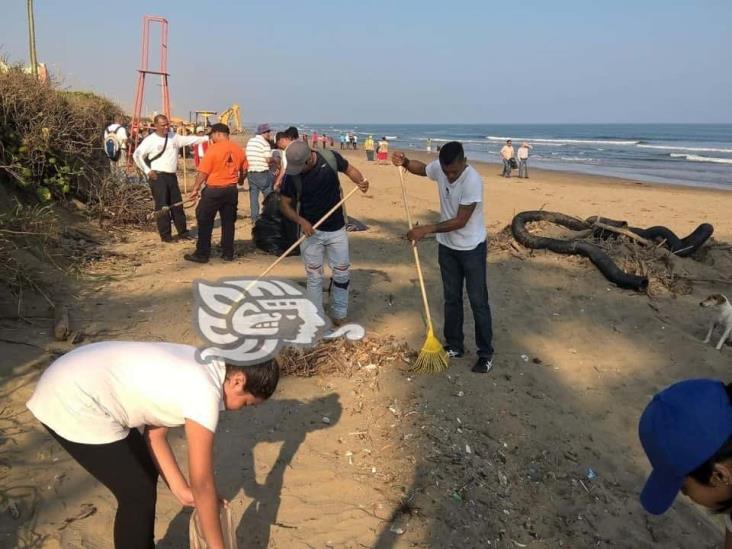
[232, 118]
[182, 127]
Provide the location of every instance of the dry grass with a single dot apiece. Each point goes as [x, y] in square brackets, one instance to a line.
[22, 229]
[344, 357]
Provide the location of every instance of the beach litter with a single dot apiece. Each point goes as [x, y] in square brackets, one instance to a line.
[342, 356]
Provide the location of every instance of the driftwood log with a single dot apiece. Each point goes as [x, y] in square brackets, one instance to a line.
[605, 228]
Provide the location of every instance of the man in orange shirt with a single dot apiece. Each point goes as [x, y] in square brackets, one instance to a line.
[222, 168]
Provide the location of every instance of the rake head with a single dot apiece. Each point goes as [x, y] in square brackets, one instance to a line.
[432, 357]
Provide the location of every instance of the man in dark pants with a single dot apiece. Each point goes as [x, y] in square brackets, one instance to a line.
[462, 249]
[157, 157]
[222, 169]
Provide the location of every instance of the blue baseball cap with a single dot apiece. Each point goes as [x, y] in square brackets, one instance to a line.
[681, 428]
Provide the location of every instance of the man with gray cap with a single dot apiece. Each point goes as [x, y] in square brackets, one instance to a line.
[259, 156]
[310, 189]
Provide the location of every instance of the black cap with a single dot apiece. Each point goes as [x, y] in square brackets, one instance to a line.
[219, 127]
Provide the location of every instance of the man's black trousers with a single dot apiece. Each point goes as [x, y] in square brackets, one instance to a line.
[466, 268]
[165, 192]
[223, 200]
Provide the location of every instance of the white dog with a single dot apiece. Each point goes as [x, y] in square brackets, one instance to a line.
[723, 318]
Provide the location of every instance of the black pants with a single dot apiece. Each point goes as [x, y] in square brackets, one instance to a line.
[165, 192]
[469, 266]
[127, 469]
[223, 200]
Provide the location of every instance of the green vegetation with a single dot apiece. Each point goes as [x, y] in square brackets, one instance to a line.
[51, 139]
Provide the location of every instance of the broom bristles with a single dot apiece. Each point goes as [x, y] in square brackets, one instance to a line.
[432, 357]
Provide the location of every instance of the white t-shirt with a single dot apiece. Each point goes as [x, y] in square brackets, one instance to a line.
[523, 153]
[96, 393]
[468, 189]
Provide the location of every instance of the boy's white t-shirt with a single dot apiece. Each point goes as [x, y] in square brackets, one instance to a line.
[468, 189]
[96, 393]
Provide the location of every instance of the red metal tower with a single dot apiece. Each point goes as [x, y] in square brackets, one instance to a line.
[147, 22]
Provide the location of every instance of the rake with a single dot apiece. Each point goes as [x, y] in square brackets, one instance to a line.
[432, 357]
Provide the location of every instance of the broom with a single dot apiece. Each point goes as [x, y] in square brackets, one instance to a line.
[432, 358]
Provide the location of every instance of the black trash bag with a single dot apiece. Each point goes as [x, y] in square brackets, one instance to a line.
[273, 233]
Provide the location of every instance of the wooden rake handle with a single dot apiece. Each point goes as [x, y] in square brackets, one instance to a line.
[416, 253]
[187, 203]
[299, 240]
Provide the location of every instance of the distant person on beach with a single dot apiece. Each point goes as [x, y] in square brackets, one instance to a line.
[370, 147]
[221, 170]
[314, 140]
[157, 157]
[507, 154]
[311, 188]
[429, 144]
[259, 156]
[355, 142]
[686, 432]
[462, 249]
[523, 159]
[110, 406]
[343, 141]
[382, 153]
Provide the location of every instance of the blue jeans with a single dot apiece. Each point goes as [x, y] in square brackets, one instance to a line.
[523, 167]
[333, 246]
[506, 168]
[258, 182]
[468, 267]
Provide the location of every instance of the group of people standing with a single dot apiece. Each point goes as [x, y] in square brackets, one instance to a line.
[307, 180]
[509, 157]
[110, 404]
[349, 141]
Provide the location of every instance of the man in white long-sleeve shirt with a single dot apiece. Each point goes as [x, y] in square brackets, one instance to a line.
[157, 157]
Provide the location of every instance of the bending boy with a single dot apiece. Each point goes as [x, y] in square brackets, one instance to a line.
[96, 399]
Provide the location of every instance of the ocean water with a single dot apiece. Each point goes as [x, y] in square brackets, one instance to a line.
[686, 154]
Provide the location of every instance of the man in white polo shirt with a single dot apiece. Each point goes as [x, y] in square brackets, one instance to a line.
[157, 157]
[462, 252]
[259, 156]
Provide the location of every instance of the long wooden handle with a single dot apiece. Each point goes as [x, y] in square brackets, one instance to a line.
[299, 240]
[416, 253]
[185, 173]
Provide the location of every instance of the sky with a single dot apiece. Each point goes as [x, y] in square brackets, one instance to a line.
[377, 61]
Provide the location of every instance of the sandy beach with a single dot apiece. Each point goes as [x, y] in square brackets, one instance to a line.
[541, 453]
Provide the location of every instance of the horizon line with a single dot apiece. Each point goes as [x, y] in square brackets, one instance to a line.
[511, 123]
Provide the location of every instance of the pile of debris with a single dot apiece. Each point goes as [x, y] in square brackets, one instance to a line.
[651, 260]
[344, 357]
[117, 203]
